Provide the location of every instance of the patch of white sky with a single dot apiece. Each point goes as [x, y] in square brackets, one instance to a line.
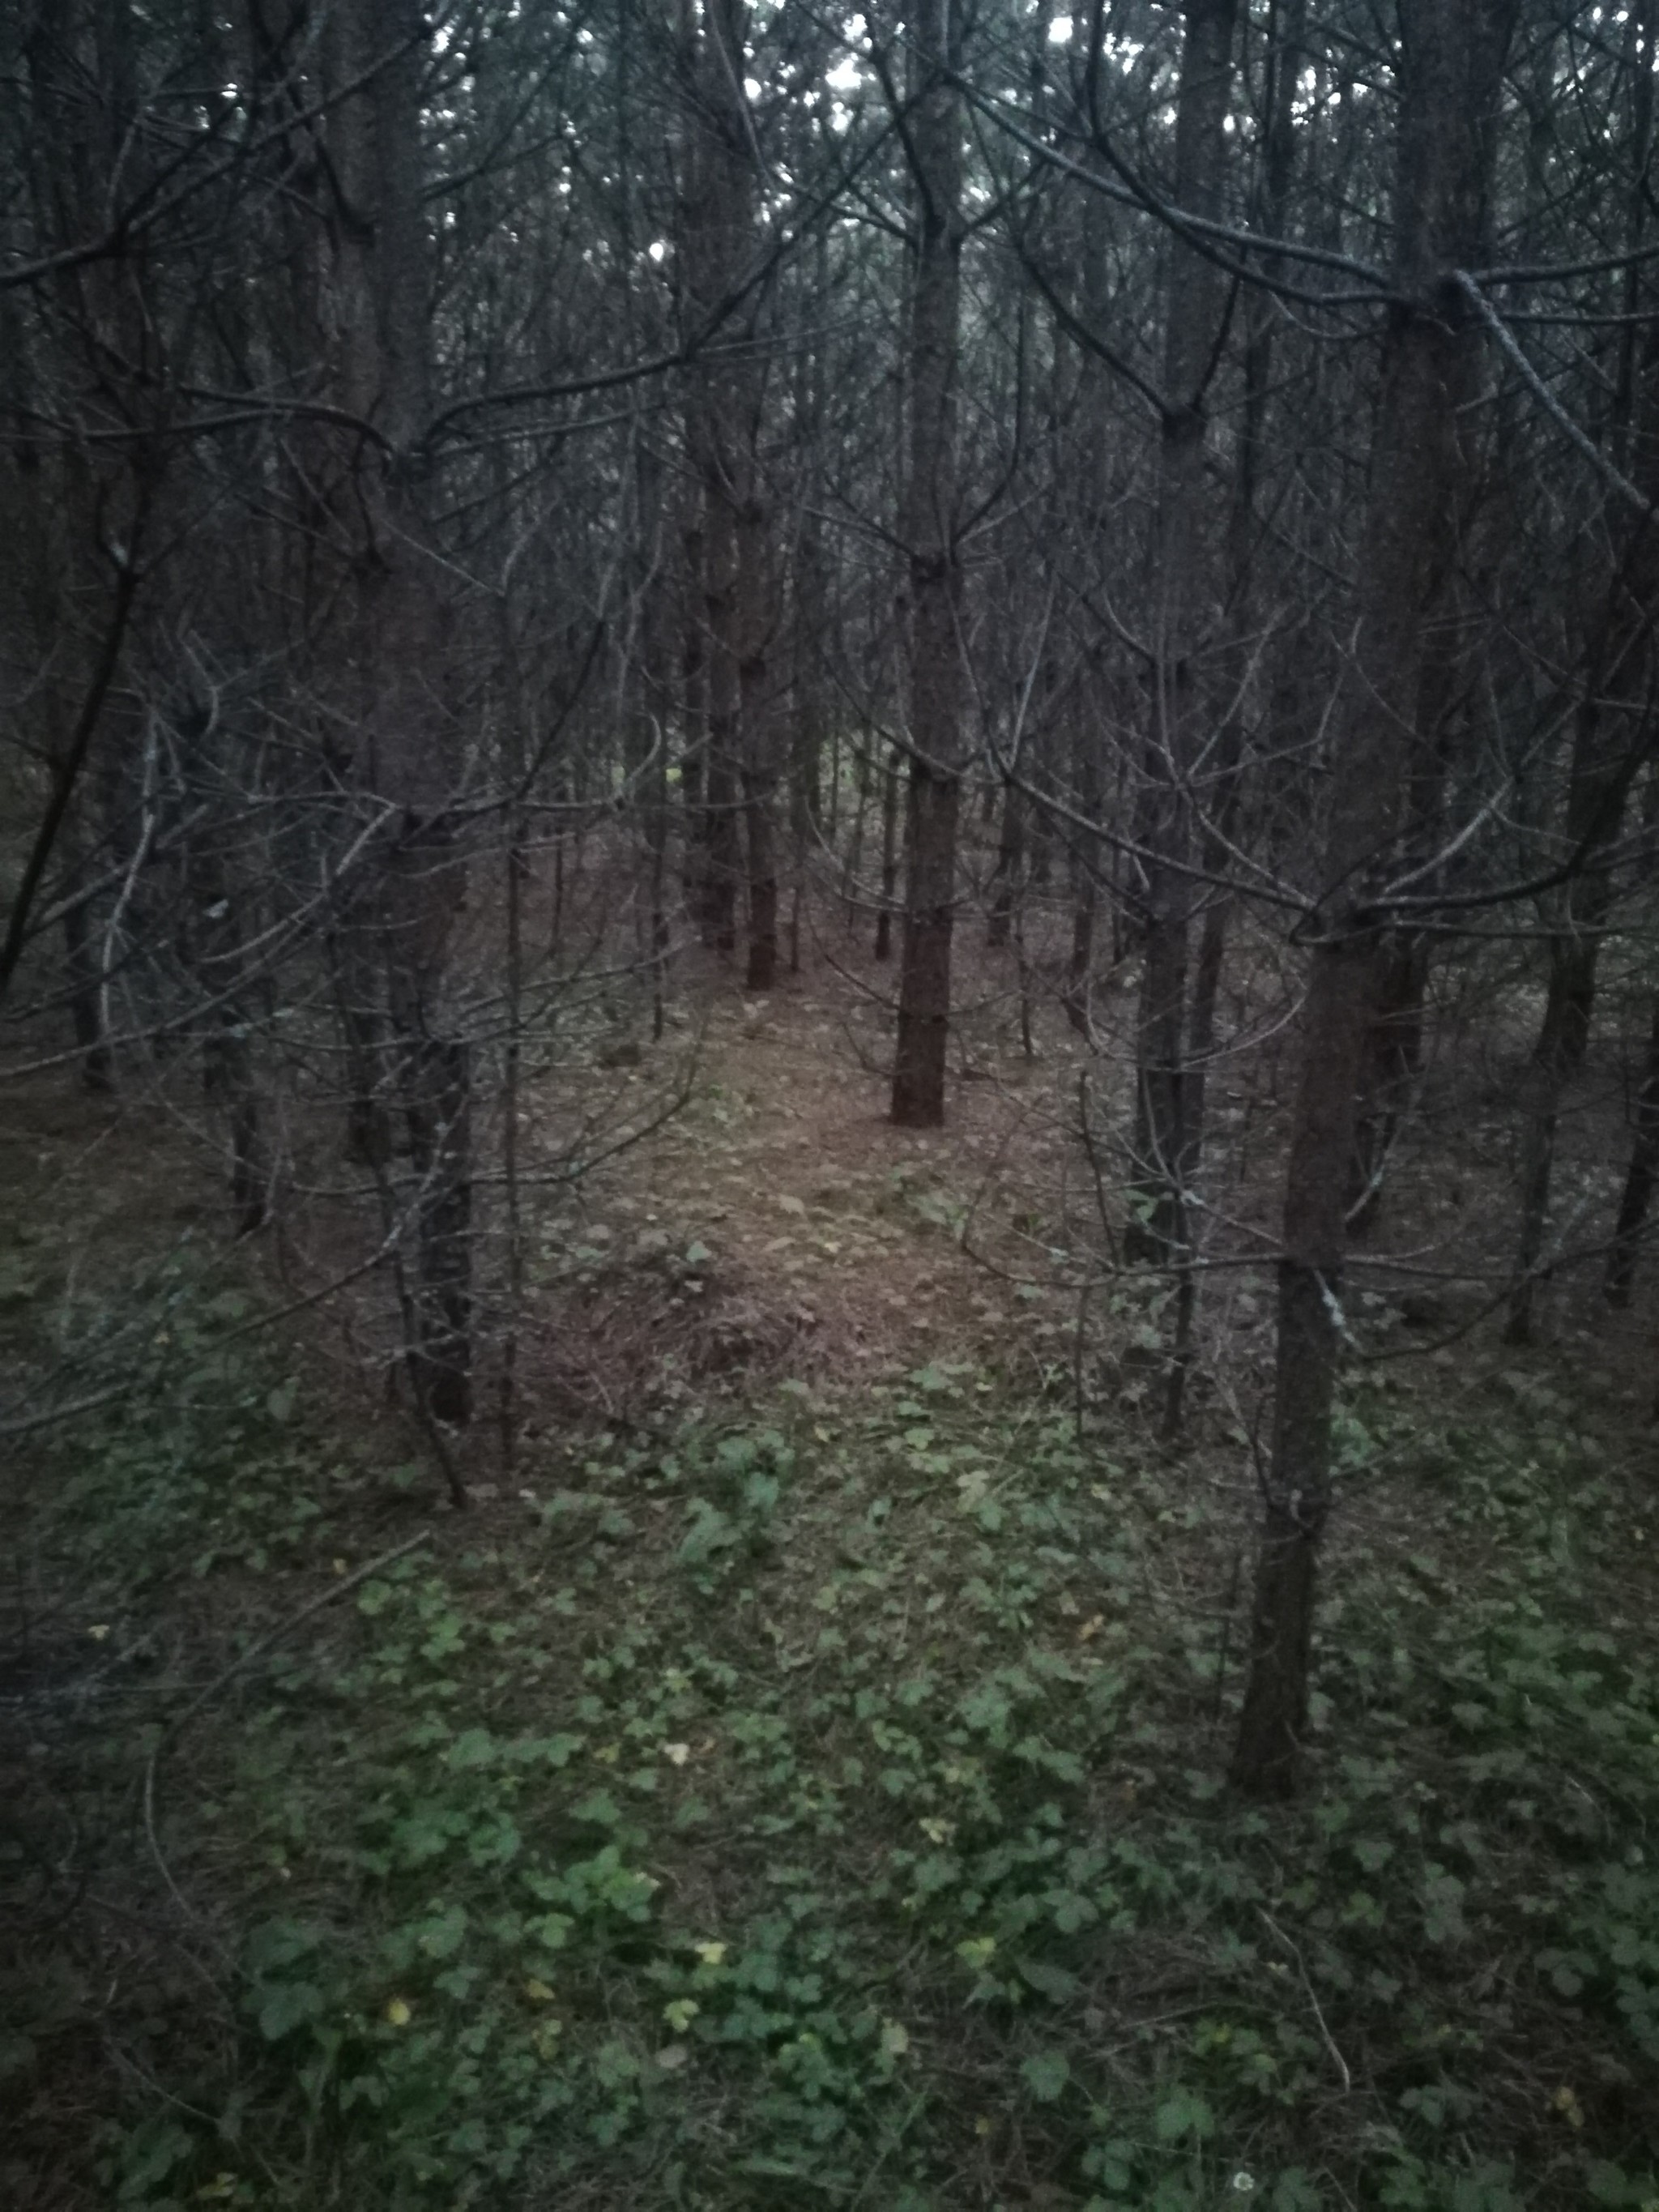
[1126, 52]
[847, 74]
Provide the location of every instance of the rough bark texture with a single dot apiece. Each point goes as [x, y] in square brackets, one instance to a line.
[932, 796]
[1010, 868]
[1393, 1040]
[1634, 1205]
[722, 850]
[1183, 600]
[724, 423]
[1095, 445]
[890, 787]
[406, 757]
[1218, 794]
[1085, 865]
[1450, 74]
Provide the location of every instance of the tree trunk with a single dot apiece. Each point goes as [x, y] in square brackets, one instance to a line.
[1221, 785]
[228, 1077]
[932, 801]
[722, 853]
[1563, 1041]
[1638, 1182]
[694, 713]
[806, 824]
[759, 773]
[724, 425]
[97, 1065]
[1009, 867]
[1183, 590]
[934, 144]
[889, 829]
[407, 758]
[762, 970]
[1604, 766]
[1393, 1061]
[1084, 849]
[1450, 78]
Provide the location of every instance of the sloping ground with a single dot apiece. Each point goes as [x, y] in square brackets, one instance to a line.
[825, 1237]
[836, 1244]
[795, 1780]
[817, 1804]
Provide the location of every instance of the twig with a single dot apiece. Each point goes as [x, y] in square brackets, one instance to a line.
[1512, 351]
[1330, 2040]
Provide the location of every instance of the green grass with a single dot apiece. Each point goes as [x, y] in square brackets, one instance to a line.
[822, 1808]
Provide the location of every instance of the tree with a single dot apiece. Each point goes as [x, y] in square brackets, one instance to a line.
[405, 754]
[932, 133]
[1449, 72]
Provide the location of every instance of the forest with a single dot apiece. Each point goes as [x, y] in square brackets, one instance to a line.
[829, 1105]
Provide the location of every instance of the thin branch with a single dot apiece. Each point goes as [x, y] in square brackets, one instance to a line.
[1504, 340]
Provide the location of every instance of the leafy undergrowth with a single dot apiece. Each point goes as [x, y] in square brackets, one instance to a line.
[823, 1809]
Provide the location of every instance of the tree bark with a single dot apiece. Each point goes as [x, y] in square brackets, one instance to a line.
[406, 756]
[1605, 761]
[722, 846]
[724, 426]
[934, 783]
[1449, 81]
[1009, 870]
[1182, 593]
[890, 856]
[1633, 1206]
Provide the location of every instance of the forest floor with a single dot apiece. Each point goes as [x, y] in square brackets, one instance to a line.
[798, 1778]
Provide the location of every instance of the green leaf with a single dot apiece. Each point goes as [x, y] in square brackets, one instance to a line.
[276, 1944]
[426, 1833]
[287, 2006]
[1045, 2074]
[986, 1710]
[474, 1747]
[1183, 2114]
[17, 2054]
[1052, 1982]
[1610, 2184]
[1443, 1907]
[153, 2151]
[599, 1807]
[440, 1935]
